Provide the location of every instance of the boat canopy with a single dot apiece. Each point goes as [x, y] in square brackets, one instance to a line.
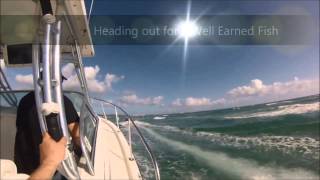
[20, 27]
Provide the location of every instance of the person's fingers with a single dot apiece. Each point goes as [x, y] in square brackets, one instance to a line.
[63, 141]
[46, 135]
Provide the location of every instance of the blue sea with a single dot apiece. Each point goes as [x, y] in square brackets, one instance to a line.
[278, 140]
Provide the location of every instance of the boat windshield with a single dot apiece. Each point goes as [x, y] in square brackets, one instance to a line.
[88, 124]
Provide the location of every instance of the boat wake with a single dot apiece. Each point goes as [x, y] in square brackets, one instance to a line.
[236, 167]
[305, 146]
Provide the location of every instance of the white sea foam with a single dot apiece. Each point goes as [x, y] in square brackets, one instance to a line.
[282, 110]
[159, 117]
[305, 146]
[170, 128]
[144, 166]
[271, 104]
[237, 167]
[275, 103]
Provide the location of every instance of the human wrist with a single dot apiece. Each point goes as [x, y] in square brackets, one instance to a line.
[46, 170]
[49, 164]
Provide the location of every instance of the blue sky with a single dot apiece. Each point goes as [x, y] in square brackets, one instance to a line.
[156, 79]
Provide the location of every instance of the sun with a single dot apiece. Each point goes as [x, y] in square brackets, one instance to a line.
[187, 29]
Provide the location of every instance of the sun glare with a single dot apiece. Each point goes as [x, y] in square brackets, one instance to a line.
[187, 29]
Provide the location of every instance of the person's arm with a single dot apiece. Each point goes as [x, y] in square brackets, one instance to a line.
[72, 118]
[43, 172]
[51, 154]
[75, 133]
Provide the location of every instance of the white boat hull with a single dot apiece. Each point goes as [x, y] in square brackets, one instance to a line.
[113, 158]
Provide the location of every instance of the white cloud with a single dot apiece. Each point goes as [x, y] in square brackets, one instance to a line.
[157, 100]
[257, 88]
[191, 101]
[197, 102]
[255, 92]
[176, 102]
[94, 84]
[67, 70]
[112, 78]
[134, 99]
[92, 74]
[220, 101]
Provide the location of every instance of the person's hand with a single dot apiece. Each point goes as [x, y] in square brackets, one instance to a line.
[52, 152]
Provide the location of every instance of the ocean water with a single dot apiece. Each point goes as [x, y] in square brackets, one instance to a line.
[277, 140]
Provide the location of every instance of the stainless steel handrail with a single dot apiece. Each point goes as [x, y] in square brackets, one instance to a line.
[51, 86]
[81, 77]
[131, 121]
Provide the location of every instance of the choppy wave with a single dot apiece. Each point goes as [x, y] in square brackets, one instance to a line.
[282, 110]
[305, 146]
[237, 167]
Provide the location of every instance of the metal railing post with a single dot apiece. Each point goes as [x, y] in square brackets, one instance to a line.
[56, 73]
[69, 165]
[82, 78]
[46, 61]
[130, 142]
[37, 85]
[104, 113]
[117, 117]
[82, 72]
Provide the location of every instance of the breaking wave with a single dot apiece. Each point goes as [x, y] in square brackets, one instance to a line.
[282, 110]
[276, 103]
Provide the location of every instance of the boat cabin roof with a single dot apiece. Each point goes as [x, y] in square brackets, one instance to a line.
[20, 27]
